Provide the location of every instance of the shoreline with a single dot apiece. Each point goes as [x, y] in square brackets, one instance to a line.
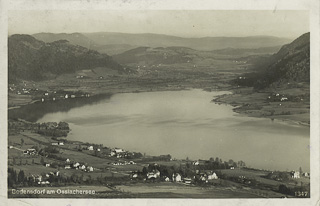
[237, 106]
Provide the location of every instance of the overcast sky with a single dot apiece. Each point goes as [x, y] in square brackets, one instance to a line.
[178, 23]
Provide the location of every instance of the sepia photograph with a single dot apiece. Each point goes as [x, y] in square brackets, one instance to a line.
[159, 104]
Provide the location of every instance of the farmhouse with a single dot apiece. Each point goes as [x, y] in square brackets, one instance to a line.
[212, 176]
[295, 175]
[176, 177]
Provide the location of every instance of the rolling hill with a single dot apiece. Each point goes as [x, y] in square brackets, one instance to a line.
[31, 59]
[113, 43]
[205, 44]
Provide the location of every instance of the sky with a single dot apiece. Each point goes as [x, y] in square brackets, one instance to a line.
[184, 23]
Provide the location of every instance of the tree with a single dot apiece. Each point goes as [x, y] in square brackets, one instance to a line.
[42, 160]
[21, 176]
[300, 170]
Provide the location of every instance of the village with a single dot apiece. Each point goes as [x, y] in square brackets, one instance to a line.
[38, 157]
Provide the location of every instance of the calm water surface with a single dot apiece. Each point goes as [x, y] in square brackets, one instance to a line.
[187, 124]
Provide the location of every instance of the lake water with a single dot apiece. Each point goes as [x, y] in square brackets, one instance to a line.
[187, 124]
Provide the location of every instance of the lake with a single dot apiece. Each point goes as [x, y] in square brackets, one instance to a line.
[187, 124]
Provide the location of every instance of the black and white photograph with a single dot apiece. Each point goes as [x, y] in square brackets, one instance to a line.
[165, 104]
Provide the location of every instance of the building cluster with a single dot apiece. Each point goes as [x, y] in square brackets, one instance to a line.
[276, 97]
[77, 166]
[124, 163]
[119, 153]
[30, 151]
[155, 175]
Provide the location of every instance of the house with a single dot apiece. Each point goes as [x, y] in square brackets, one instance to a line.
[176, 177]
[67, 161]
[67, 167]
[90, 148]
[83, 167]
[90, 169]
[187, 180]
[98, 150]
[212, 176]
[295, 175]
[112, 153]
[77, 164]
[231, 168]
[154, 174]
[134, 175]
[196, 163]
[47, 165]
[66, 96]
[119, 150]
[73, 96]
[61, 143]
[30, 151]
[167, 179]
[55, 143]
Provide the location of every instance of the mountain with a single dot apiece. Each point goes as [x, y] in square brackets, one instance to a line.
[153, 56]
[73, 38]
[31, 59]
[290, 64]
[120, 42]
[113, 49]
[206, 43]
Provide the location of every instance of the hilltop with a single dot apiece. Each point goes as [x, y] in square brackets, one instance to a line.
[31, 59]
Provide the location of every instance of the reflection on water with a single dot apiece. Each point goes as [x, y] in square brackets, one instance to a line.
[187, 124]
[33, 112]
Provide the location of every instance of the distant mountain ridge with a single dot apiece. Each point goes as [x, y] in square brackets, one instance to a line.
[31, 59]
[97, 40]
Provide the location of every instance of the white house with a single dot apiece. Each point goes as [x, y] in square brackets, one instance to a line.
[67, 161]
[61, 143]
[67, 167]
[82, 167]
[47, 165]
[117, 150]
[212, 176]
[54, 143]
[187, 180]
[176, 178]
[90, 169]
[76, 164]
[295, 175]
[153, 174]
[90, 148]
[196, 163]
[167, 179]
